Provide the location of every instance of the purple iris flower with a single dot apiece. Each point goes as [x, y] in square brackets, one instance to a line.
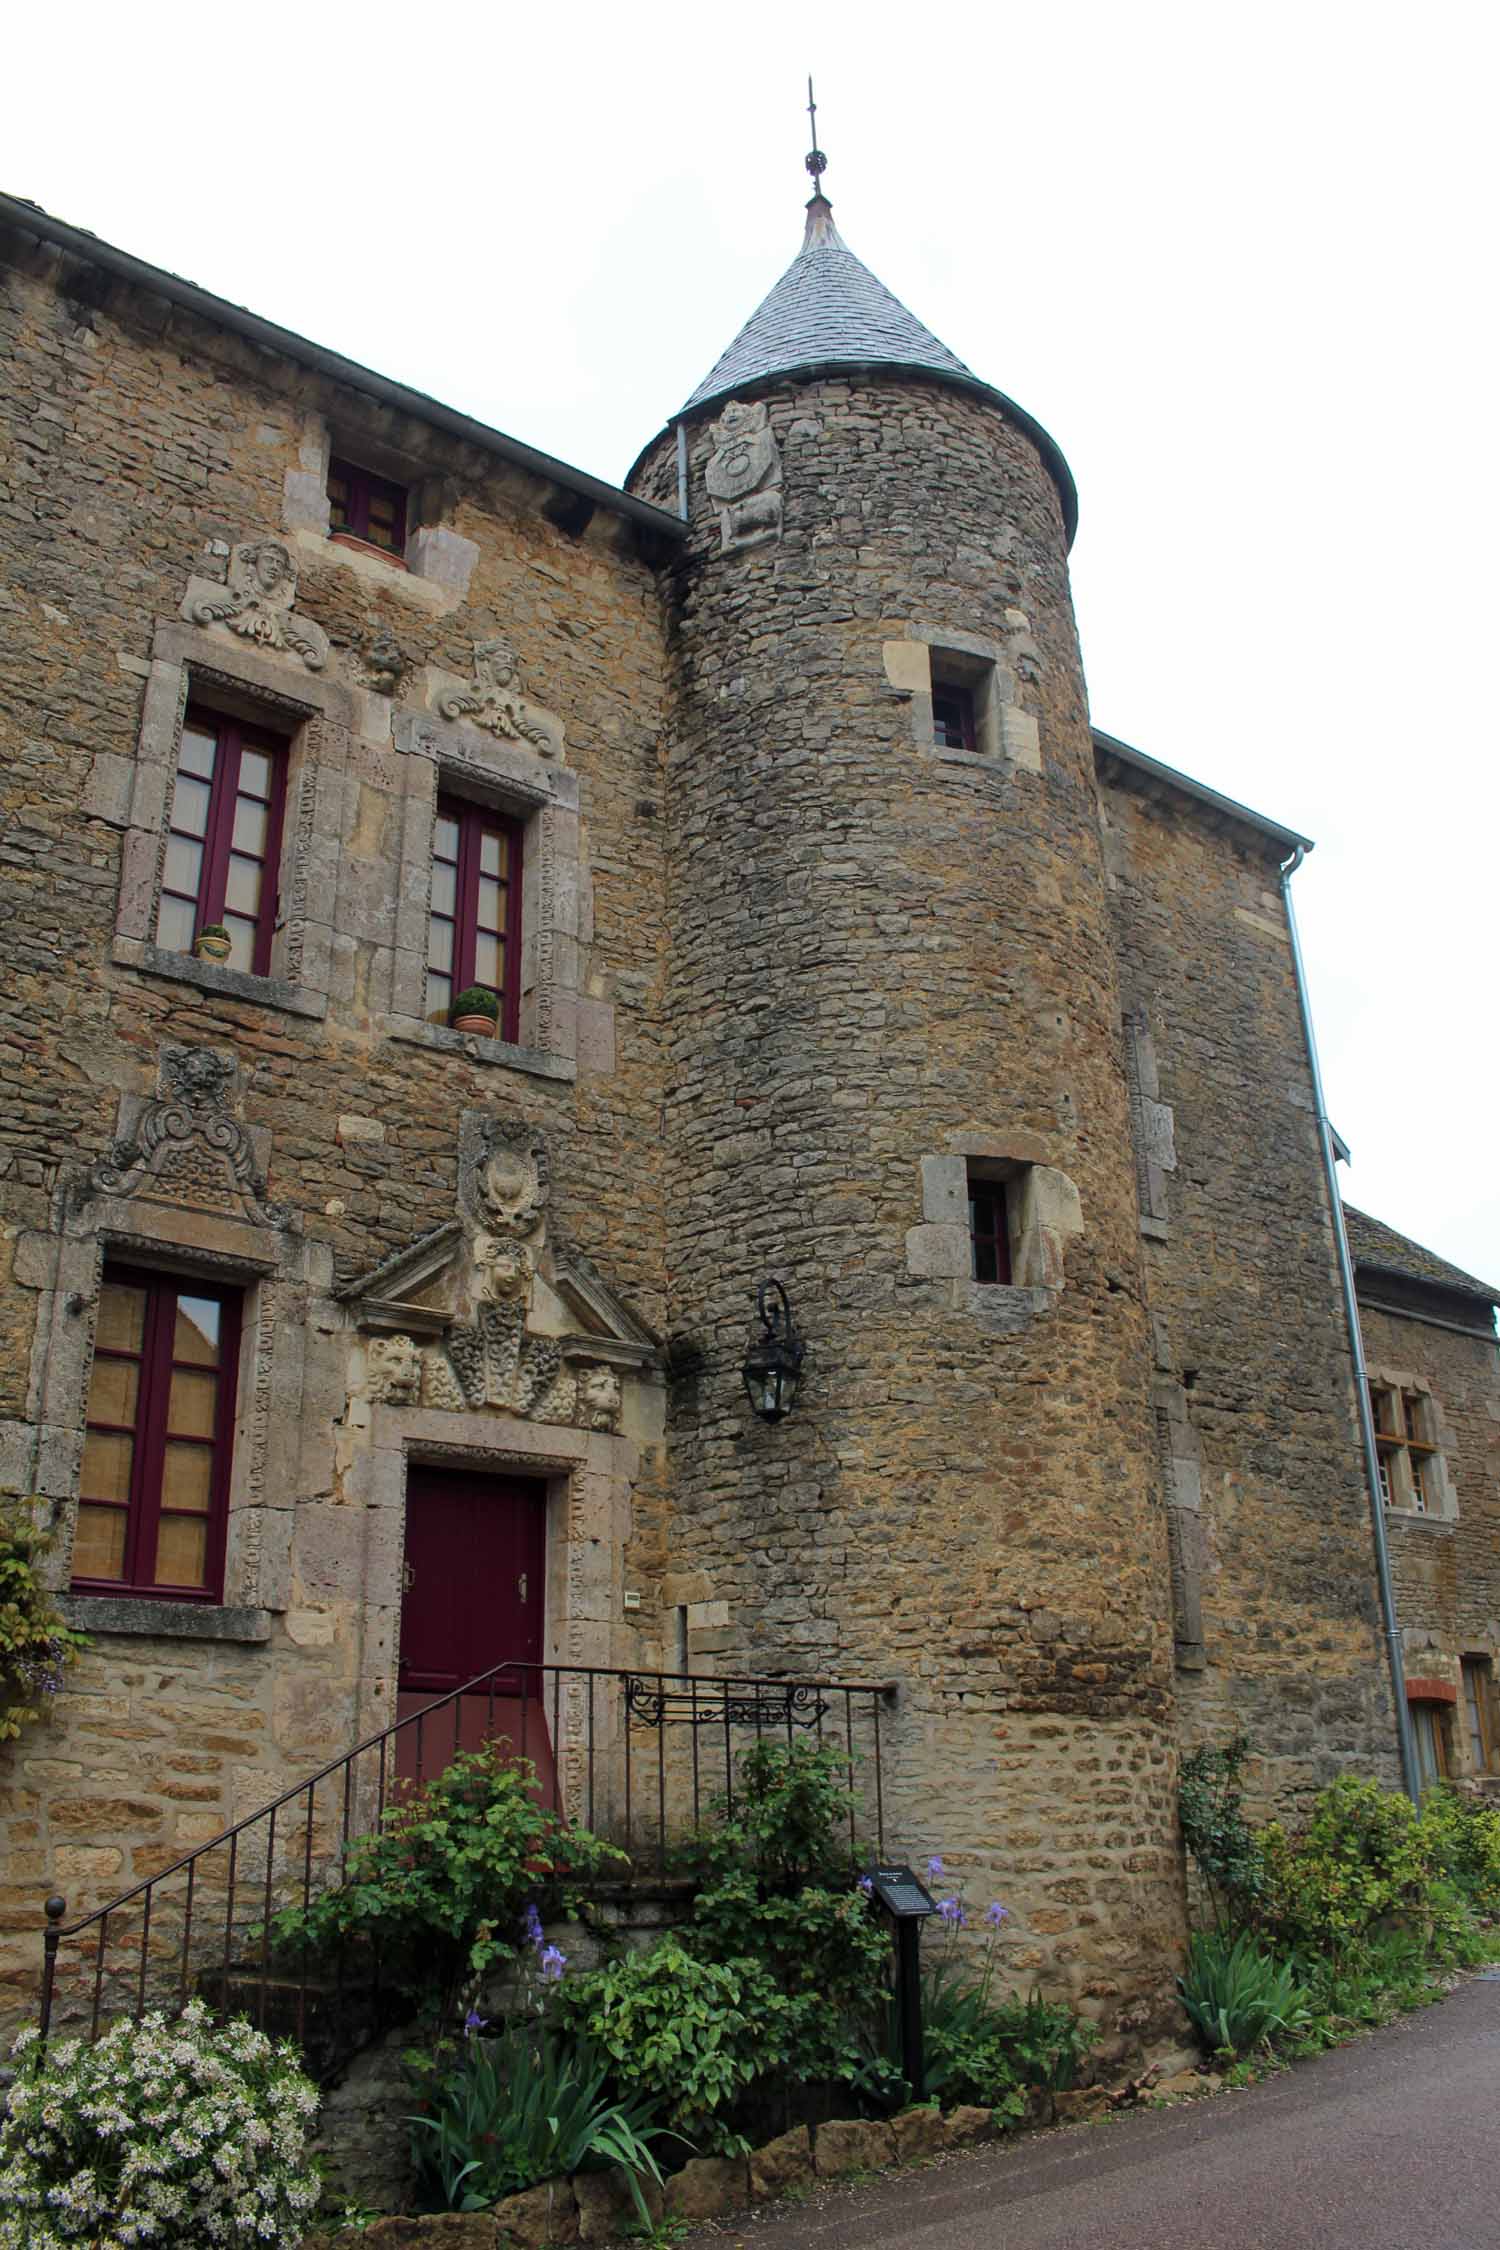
[531, 1922]
[867, 1884]
[996, 1914]
[934, 1869]
[553, 1964]
[473, 2022]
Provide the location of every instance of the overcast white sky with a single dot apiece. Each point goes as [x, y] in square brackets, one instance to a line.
[1240, 263]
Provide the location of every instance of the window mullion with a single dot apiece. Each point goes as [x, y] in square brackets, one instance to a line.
[512, 964]
[151, 1425]
[467, 889]
[220, 826]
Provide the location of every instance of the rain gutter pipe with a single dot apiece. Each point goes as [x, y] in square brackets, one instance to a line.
[1366, 1418]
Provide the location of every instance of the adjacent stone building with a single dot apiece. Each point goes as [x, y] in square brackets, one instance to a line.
[803, 927]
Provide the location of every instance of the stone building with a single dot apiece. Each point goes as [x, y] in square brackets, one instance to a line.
[1434, 1372]
[347, 1352]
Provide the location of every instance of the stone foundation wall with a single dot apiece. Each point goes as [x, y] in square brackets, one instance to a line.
[1276, 1617]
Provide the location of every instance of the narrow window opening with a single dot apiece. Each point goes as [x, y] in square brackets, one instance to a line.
[953, 725]
[367, 507]
[989, 1230]
[1479, 1706]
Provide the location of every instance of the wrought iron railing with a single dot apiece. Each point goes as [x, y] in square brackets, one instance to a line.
[635, 1756]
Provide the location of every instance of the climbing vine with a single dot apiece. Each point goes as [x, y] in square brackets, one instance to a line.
[36, 1647]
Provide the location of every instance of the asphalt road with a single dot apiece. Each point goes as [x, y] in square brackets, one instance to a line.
[1388, 2144]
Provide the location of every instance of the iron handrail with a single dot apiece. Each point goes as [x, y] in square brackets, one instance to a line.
[652, 1698]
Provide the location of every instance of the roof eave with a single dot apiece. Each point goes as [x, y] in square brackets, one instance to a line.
[1137, 763]
[29, 219]
[812, 370]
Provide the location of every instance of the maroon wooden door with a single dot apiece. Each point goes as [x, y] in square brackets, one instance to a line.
[472, 1598]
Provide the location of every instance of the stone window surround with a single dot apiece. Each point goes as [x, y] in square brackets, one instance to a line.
[436, 563]
[276, 1270]
[1006, 733]
[210, 667]
[1042, 1209]
[1446, 1510]
[447, 758]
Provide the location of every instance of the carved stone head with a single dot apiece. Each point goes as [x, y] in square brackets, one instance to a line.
[198, 1076]
[504, 1269]
[395, 1370]
[599, 1398]
[263, 568]
[496, 666]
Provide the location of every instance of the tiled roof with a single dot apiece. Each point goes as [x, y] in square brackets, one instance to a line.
[826, 310]
[1380, 1249]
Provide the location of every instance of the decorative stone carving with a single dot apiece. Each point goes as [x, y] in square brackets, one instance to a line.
[503, 1270]
[743, 476]
[257, 603]
[384, 662]
[512, 1177]
[185, 1148]
[599, 1399]
[496, 1363]
[494, 701]
[440, 1386]
[395, 1370]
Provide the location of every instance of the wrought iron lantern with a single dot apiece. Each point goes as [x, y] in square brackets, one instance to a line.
[773, 1364]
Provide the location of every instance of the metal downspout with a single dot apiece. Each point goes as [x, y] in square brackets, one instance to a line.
[1356, 1350]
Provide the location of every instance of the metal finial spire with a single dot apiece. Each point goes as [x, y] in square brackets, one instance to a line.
[817, 162]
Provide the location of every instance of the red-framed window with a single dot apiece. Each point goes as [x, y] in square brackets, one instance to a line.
[224, 839]
[154, 1491]
[952, 716]
[474, 920]
[366, 506]
[988, 1231]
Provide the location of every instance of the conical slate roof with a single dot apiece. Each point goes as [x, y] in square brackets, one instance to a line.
[826, 310]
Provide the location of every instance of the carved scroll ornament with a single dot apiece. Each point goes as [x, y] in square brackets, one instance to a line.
[257, 603]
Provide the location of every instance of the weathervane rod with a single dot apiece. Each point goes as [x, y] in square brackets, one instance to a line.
[817, 162]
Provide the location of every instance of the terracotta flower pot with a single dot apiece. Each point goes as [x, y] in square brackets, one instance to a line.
[211, 948]
[483, 1025]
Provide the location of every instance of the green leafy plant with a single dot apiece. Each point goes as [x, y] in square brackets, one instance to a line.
[686, 2035]
[437, 1892]
[474, 1000]
[174, 2132]
[1361, 1861]
[525, 2106]
[1238, 1995]
[36, 1647]
[1224, 1846]
[984, 2049]
[1462, 1838]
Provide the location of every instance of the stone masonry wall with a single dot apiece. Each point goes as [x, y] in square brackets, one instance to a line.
[137, 446]
[886, 962]
[1274, 1580]
[1446, 1569]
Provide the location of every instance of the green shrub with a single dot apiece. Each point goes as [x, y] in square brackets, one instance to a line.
[1239, 1995]
[826, 1958]
[685, 2035]
[787, 1821]
[172, 2132]
[1462, 1837]
[36, 1647]
[1224, 1846]
[437, 1891]
[1362, 1860]
[981, 2049]
[522, 2107]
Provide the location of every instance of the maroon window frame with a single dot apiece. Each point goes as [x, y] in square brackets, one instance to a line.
[474, 914]
[158, 1437]
[988, 1231]
[952, 716]
[367, 507]
[224, 839]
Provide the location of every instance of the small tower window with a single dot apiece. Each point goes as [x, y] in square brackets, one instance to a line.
[989, 1230]
[953, 717]
[366, 507]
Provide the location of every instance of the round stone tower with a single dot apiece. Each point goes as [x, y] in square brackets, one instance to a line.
[898, 1086]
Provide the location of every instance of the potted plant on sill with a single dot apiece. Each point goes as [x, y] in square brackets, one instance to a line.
[212, 943]
[475, 1010]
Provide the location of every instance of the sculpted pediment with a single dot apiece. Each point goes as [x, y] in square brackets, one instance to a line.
[487, 1310]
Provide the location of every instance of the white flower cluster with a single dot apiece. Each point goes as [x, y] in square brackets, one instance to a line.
[168, 2133]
